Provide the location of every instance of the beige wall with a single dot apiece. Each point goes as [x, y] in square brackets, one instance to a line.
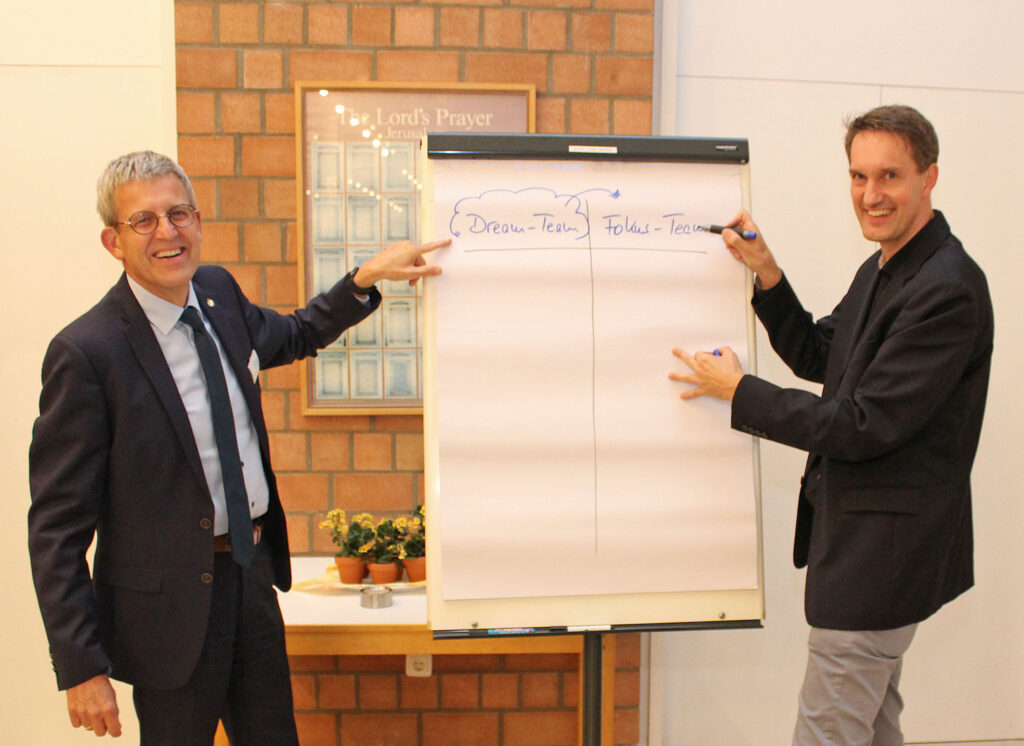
[785, 75]
[80, 84]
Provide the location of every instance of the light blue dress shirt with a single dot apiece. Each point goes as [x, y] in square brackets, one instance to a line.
[175, 340]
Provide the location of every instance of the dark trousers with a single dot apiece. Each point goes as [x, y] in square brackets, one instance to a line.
[242, 677]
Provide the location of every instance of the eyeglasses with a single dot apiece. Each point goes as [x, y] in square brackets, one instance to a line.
[145, 222]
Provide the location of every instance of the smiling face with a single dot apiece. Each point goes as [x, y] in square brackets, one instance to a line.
[163, 261]
[891, 197]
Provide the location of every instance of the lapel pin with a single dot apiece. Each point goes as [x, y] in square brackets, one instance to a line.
[209, 302]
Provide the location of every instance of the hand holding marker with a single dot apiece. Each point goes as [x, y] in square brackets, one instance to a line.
[745, 235]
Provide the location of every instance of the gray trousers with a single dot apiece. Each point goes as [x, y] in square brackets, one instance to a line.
[850, 696]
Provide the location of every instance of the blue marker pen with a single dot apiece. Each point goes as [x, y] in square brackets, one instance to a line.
[745, 235]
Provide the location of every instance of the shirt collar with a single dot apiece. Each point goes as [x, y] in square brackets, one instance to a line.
[923, 240]
[162, 314]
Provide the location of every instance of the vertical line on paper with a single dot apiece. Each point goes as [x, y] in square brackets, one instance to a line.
[593, 362]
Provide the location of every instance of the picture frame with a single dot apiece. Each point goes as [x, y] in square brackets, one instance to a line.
[358, 191]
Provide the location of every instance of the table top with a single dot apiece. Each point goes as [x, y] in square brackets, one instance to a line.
[334, 604]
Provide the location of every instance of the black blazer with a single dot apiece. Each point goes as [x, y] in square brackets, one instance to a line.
[113, 453]
[884, 515]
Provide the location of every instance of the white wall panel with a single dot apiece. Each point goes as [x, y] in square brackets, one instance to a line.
[942, 43]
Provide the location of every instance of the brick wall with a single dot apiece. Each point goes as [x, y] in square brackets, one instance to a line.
[591, 62]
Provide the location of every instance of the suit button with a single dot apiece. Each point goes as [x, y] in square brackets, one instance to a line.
[207, 577]
[205, 524]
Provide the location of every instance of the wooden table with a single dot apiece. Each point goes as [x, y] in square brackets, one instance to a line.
[332, 622]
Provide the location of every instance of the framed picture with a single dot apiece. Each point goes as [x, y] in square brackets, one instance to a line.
[359, 191]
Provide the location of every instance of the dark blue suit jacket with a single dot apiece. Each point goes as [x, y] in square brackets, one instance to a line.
[113, 454]
[884, 516]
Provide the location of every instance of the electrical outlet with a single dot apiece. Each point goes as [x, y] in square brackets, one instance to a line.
[418, 665]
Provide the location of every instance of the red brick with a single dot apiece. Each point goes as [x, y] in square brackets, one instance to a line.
[288, 451]
[205, 191]
[240, 198]
[399, 422]
[540, 690]
[193, 23]
[337, 691]
[371, 451]
[499, 691]
[589, 116]
[546, 29]
[550, 115]
[328, 64]
[291, 251]
[498, 67]
[262, 68]
[419, 693]
[268, 155]
[196, 113]
[570, 73]
[328, 24]
[330, 451]
[273, 410]
[220, 242]
[371, 26]
[282, 24]
[317, 729]
[390, 728]
[460, 691]
[631, 117]
[206, 68]
[248, 278]
[374, 492]
[552, 3]
[626, 726]
[298, 533]
[591, 32]
[393, 663]
[280, 200]
[409, 452]
[378, 691]
[211, 155]
[647, 5]
[321, 539]
[623, 76]
[570, 689]
[302, 491]
[280, 113]
[282, 285]
[540, 728]
[417, 66]
[239, 23]
[634, 32]
[240, 112]
[460, 729]
[460, 27]
[503, 27]
[542, 661]
[447, 663]
[414, 27]
[304, 691]
[627, 650]
[263, 242]
[286, 377]
[627, 688]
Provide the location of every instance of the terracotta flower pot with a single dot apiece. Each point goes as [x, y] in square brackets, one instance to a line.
[384, 572]
[351, 570]
[416, 568]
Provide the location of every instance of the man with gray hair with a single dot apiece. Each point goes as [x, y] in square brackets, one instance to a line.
[884, 513]
[151, 438]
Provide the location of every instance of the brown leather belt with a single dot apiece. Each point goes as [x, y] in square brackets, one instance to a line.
[222, 543]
